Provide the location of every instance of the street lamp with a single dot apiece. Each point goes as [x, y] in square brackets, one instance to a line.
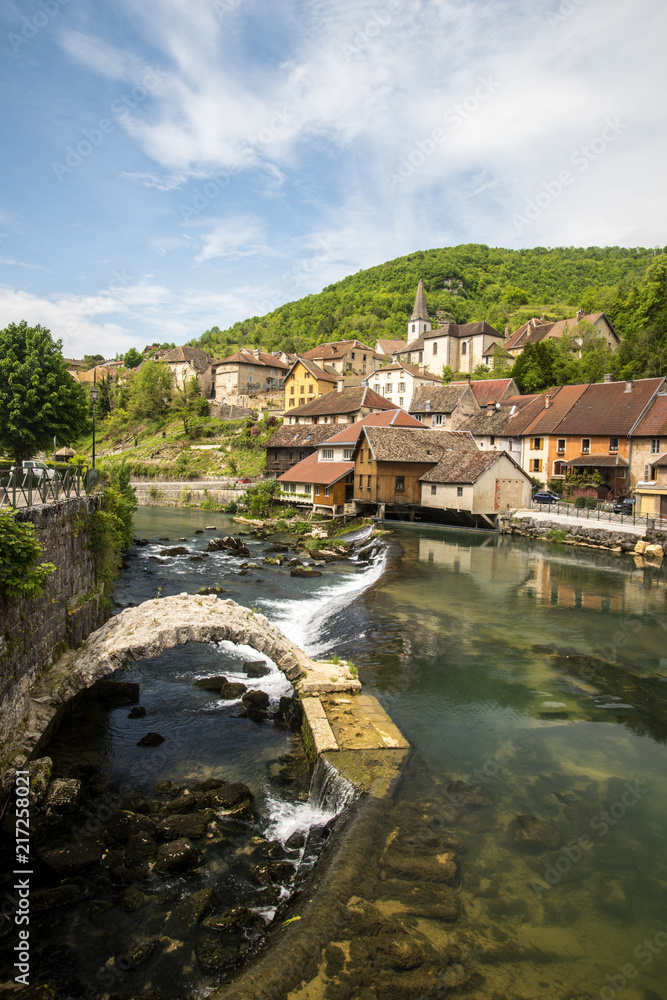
[93, 395]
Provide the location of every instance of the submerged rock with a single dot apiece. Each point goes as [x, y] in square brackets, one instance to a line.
[234, 546]
[61, 797]
[132, 899]
[189, 911]
[255, 700]
[469, 796]
[305, 571]
[219, 952]
[175, 550]
[230, 692]
[532, 833]
[65, 862]
[125, 824]
[139, 712]
[150, 740]
[211, 683]
[239, 919]
[50, 899]
[256, 668]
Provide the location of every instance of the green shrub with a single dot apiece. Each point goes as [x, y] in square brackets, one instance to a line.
[557, 535]
[580, 502]
[21, 573]
[591, 503]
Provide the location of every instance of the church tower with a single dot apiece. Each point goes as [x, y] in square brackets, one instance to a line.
[420, 322]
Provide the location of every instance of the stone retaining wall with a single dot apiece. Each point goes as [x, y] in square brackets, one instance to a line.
[34, 632]
[575, 533]
[178, 494]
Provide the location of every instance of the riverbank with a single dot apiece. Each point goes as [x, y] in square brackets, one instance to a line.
[628, 538]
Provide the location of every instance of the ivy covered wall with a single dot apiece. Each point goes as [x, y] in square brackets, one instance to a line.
[33, 632]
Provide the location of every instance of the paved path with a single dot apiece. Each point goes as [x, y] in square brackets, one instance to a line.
[612, 527]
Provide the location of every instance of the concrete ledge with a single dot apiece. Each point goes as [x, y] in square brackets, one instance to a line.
[318, 725]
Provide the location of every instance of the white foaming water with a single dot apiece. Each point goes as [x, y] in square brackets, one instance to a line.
[330, 793]
[303, 621]
[275, 684]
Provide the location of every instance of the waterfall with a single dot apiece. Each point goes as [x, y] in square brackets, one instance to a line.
[329, 790]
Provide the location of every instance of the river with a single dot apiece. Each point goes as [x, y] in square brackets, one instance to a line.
[534, 673]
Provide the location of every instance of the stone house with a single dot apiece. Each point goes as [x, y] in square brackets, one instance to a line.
[479, 483]
[186, 363]
[345, 356]
[537, 330]
[443, 407]
[248, 372]
[291, 443]
[648, 440]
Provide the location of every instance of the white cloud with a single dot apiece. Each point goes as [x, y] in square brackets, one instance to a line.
[233, 238]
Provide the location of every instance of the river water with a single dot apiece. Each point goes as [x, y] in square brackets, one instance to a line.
[534, 673]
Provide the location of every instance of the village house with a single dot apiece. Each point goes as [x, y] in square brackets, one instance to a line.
[397, 382]
[387, 348]
[481, 484]
[498, 426]
[589, 428]
[291, 443]
[461, 347]
[443, 407]
[186, 363]
[344, 406]
[648, 456]
[327, 477]
[344, 356]
[246, 373]
[491, 390]
[389, 462]
[306, 381]
[537, 330]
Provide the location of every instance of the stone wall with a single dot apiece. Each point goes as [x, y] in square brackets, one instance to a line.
[600, 535]
[34, 632]
[151, 493]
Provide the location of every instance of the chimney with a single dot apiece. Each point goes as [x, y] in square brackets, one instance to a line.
[547, 401]
[581, 313]
[607, 377]
[629, 385]
[422, 369]
[340, 384]
[256, 352]
[490, 408]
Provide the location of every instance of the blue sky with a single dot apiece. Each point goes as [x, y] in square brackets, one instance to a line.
[171, 166]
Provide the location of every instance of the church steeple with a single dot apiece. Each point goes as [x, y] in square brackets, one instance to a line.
[420, 321]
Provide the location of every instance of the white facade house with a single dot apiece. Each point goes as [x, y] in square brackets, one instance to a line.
[477, 483]
[397, 382]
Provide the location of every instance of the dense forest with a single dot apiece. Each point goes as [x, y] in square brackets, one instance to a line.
[475, 282]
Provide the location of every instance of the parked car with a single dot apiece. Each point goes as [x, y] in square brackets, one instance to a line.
[244, 482]
[625, 506]
[546, 496]
[39, 470]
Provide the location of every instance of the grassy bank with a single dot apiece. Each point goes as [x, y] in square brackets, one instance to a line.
[163, 449]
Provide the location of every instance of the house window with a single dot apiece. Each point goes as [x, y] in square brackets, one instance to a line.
[436, 418]
[459, 491]
[291, 402]
[536, 465]
[387, 389]
[317, 491]
[401, 386]
[655, 446]
[377, 386]
[400, 483]
[647, 473]
[400, 401]
[327, 453]
[292, 487]
[560, 446]
[413, 327]
[492, 440]
[585, 446]
[421, 356]
[434, 490]
[347, 454]
[369, 483]
[352, 353]
[536, 444]
[311, 389]
[435, 347]
[302, 388]
[249, 379]
[613, 444]
[361, 482]
[251, 368]
[464, 350]
[326, 491]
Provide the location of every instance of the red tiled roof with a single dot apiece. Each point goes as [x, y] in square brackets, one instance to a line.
[490, 390]
[312, 471]
[462, 466]
[336, 350]
[606, 408]
[248, 358]
[563, 398]
[654, 421]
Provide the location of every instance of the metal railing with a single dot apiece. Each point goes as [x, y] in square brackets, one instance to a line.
[23, 488]
[595, 514]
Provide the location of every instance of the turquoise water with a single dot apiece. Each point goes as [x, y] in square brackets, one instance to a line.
[537, 673]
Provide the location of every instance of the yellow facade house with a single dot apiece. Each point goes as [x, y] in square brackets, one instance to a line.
[306, 381]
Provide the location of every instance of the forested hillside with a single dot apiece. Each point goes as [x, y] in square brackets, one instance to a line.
[465, 284]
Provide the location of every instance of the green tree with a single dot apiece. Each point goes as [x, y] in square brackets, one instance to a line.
[187, 403]
[39, 399]
[133, 358]
[150, 391]
[533, 370]
[260, 498]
